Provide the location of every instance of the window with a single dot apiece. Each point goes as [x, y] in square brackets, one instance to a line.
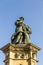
[33, 55]
[22, 55]
[20, 64]
[7, 55]
[16, 55]
[6, 63]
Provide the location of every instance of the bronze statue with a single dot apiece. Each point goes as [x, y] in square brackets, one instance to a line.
[22, 32]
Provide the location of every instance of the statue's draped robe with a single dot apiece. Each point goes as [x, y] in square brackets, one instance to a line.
[22, 34]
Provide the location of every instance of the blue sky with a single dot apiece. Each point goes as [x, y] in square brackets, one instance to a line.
[32, 11]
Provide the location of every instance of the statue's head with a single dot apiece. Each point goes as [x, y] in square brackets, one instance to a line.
[19, 21]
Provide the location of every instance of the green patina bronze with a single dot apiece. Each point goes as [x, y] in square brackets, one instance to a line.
[22, 32]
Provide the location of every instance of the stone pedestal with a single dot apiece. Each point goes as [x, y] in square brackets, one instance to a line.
[20, 54]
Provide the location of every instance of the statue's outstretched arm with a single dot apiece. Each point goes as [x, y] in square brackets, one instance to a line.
[28, 29]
